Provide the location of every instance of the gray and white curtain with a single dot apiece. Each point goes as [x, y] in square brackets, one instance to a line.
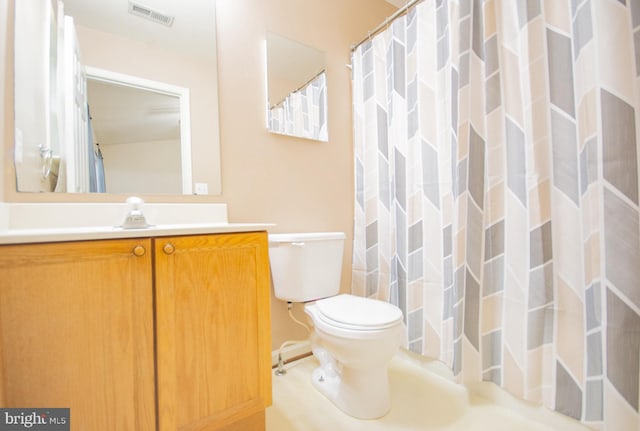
[496, 164]
[303, 112]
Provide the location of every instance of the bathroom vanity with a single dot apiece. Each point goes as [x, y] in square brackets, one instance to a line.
[164, 330]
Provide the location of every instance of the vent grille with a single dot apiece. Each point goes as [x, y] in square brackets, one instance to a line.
[150, 14]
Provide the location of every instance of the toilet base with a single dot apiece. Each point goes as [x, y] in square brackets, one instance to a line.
[361, 393]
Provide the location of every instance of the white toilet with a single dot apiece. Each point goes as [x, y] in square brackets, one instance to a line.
[354, 338]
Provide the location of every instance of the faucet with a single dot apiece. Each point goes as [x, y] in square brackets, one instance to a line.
[135, 218]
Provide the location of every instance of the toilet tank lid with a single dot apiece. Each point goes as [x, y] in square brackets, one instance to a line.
[305, 236]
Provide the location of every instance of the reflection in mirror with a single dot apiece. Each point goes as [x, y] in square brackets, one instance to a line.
[36, 113]
[61, 140]
[140, 130]
[296, 89]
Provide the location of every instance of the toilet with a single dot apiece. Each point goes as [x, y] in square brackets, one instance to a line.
[353, 338]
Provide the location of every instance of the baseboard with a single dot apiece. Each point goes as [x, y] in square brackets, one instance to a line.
[292, 352]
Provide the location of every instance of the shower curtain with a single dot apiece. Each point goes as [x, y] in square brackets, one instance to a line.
[303, 112]
[496, 194]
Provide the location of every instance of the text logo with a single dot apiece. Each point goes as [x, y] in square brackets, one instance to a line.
[34, 419]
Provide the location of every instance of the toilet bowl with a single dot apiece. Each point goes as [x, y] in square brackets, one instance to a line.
[353, 338]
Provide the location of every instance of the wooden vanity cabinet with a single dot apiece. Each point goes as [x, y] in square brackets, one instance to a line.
[213, 331]
[168, 333]
[76, 327]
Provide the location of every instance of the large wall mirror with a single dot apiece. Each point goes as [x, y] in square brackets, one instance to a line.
[116, 96]
[296, 89]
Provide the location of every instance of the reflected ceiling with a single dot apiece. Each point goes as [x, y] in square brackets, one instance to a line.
[189, 33]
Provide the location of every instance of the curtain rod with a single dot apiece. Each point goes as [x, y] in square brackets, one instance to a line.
[403, 10]
[309, 81]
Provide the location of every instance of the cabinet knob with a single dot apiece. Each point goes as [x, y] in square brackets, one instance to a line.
[139, 250]
[168, 248]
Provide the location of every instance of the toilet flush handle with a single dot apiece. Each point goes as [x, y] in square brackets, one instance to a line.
[297, 244]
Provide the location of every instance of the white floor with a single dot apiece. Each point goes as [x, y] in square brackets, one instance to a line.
[424, 398]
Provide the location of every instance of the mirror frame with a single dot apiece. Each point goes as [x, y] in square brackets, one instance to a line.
[181, 93]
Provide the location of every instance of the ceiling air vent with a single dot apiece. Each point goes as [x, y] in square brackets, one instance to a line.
[150, 14]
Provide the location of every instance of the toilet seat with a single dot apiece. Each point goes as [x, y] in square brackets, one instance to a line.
[357, 313]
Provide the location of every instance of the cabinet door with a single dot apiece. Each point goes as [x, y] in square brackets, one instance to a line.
[76, 328]
[213, 330]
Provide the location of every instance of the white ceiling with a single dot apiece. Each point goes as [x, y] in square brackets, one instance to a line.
[124, 114]
[192, 30]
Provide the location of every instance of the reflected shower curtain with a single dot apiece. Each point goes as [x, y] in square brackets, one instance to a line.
[496, 201]
[303, 112]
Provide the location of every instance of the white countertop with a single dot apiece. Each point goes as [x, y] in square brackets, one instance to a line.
[54, 222]
[19, 236]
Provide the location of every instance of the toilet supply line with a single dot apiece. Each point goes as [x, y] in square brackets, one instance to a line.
[280, 371]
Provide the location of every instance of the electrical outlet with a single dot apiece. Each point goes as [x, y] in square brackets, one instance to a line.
[202, 189]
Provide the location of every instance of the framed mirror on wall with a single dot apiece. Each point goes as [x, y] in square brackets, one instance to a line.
[160, 56]
[296, 89]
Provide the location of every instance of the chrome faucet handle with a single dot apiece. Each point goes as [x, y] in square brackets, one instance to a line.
[135, 218]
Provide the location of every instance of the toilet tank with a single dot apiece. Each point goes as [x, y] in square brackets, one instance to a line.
[306, 266]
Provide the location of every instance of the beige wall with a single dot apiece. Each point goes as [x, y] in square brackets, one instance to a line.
[129, 167]
[299, 185]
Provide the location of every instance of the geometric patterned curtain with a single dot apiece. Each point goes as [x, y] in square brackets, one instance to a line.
[496, 199]
[303, 112]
